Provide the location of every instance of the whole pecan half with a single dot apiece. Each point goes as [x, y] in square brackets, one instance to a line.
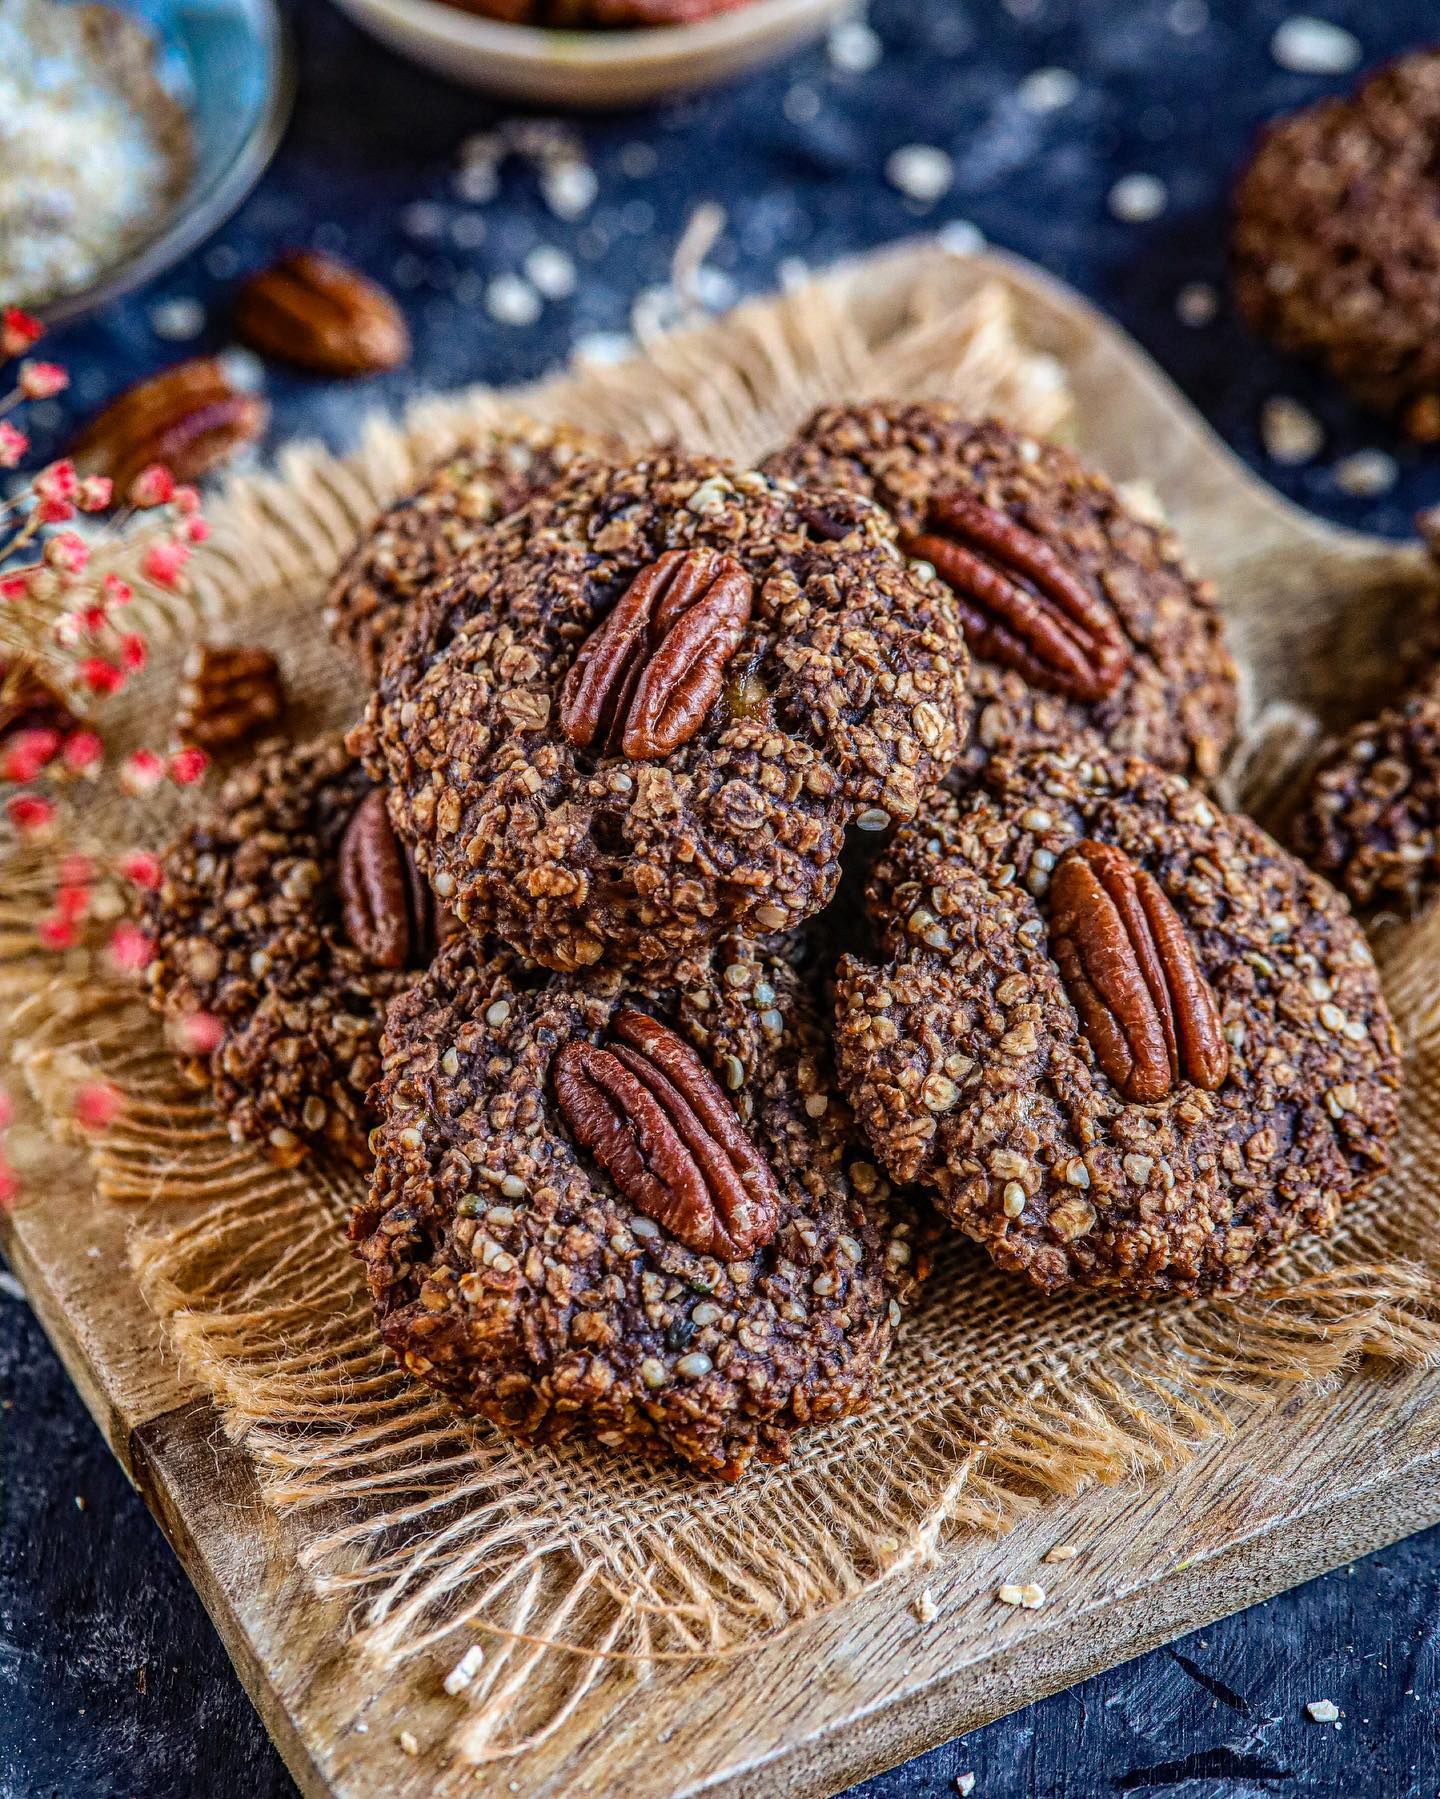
[190, 417]
[228, 694]
[386, 905]
[318, 312]
[1132, 975]
[651, 1114]
[1019, 603]
[647, 675]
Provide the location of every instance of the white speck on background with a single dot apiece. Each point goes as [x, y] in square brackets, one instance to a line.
[961, 238]
[1323, 1711]
[1188, 18]
[552, 270]
[926, 1610]
[1315, 47]
[9, 1286]
[569, 188]
[1138, 198]
[1047, 90]
[1290, 432]
[1196, 304]
[965, 1784]
[801, 104]
[242, 369]
[477, 183]
[424, 220]
[854, 47]
[465, 1670]
[922, 172]
[177, 320]
[510, 300]
[605, 348]
[1366, 473]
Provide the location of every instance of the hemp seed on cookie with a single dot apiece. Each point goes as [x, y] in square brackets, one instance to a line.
[292, 916]
[649, 706]
[1335, 250]
[1079, 616]
[1125, 1040]
[629, 1209]
[421, 535]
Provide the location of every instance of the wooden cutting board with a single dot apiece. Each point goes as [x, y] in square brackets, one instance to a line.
[1297, 1490]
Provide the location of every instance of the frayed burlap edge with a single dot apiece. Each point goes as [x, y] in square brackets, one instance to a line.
[437, 1530]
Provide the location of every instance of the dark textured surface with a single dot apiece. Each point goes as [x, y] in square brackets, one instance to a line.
[90, 1599]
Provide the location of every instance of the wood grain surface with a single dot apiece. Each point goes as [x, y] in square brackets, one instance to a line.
[1300, 1489]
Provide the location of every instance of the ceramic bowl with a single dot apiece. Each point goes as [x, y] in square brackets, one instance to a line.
[229, 63]
[591, 68]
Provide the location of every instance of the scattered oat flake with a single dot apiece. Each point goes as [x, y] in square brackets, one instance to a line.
[552, 271]
[1323, 1711]
[465, 1670]
[177, 320]
[1047, 90]
[1138, 198]
[965, 1784]
[510, 300]
[408, 1742]
[1062, 1552]
[961, 238]
[1315, 47]
[922, 172]
[1366, 473]
[926, 1610]
[1196, 304]
[1029, 1597]
[569, 189]
[854, 47]
[1290, 432]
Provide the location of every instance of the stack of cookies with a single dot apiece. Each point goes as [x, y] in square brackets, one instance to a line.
[658, 1137]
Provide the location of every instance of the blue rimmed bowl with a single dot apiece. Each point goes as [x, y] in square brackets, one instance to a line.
[229, 64]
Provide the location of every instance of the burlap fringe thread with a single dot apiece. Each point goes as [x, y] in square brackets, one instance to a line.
[437, 1531]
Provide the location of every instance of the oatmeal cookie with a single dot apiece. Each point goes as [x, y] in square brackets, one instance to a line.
[1126, 1041]
[649, 706]
[630, 1209]
[1371, 818]
[420, 536]
[290, 916]
[1335, 251]
[1080, 617]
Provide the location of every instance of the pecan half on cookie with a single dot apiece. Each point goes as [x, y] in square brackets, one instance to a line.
[285, 922]
[628, 1209]
[649, 706]
[1080, 617]
[422, 535]
[1125, 1040]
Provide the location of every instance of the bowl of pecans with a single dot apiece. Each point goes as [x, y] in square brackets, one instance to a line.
[593, 53]
[128, 131]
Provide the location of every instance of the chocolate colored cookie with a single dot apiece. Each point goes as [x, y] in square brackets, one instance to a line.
[422, 535]
[1126, 1040]
[627, 1209]
[1336, 252]
[649, 706]
[291, 916]
[1079, 616]
[1371, 818]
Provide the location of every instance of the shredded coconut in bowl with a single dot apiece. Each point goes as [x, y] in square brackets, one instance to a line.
[94, 150]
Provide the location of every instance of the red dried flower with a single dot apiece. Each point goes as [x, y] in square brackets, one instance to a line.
[153, 486]
[55, 933]
[83, 749]
[18, 331]
[163, 561]
[144, 869]
[95, 493]
[133, 653]
[42, 380]
[188, 765]
[27, 752]
[97, 1104]
[13, 445]
[198, 1033]
[142, 772]
[29, 812]
[68, 552]
[130, 948]
[100, 676]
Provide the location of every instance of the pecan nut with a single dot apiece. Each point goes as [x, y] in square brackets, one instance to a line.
[1019, 603]
[228, 695]
[1132, 974]
[190, 417]
[646, 676]
[653, 1117]
[321, 314]
[386, 905]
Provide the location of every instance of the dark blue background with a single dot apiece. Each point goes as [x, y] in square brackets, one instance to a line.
[111, 1680]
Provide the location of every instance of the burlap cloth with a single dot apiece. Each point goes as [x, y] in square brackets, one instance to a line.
[441, 1530]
